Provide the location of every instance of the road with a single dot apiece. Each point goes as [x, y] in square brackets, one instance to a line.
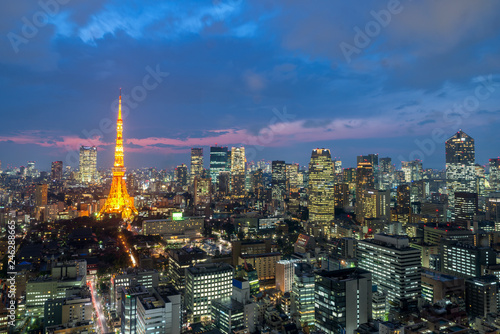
[98, 306]
[127, 249]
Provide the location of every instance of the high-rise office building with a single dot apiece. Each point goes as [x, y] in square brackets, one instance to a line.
[278, 180]
[494, 178]
[321, 189]
[285, 270]
[158, 311]
[218, 162]
[303, 295]
[224, 183]
[343, 300]
[460, 168]
[129, 299]
[202, 191]
[41, 193]
[292, 177]
[395, 268]
[228, 315]
[181, 175]
[88, 164]
[30, 169]
[413, 170]
[196, 163]
[464, 260]
[341, 194]
[376, 204]
[403, 199]
[481, 294]
[466, 205]
[181, 259]
[258, 184]
[238, 171]
[386, 174]
[56, 171]
[364, 180]
[204, 283]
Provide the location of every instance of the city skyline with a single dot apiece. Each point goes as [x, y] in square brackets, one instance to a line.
[227, 72]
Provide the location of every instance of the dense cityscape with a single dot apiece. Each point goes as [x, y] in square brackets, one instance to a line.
[253, 247]
[246, 167]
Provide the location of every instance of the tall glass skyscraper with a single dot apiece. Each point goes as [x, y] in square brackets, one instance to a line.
[196, 163]
[88, 164]
[238, 161]
[460, 168]
[278, 180]
[321, 188]
[218, 162]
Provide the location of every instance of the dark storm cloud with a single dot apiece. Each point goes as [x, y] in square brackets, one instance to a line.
[230, 64]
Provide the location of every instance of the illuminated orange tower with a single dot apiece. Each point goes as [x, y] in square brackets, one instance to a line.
[118, 201]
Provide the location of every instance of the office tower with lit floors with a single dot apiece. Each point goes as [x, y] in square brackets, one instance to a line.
[343, 300]
[119, 202]
[494, 177]
[196, 163]
[56, 171]
[204, 283]
[460, 169]
[88, 164]
[302, 309]
[181, 175]
[481, 296]
[292, 177]
[238, 161]
[321, 189]
[278, 180]
[218, 162]
[364, 181]
[395, 268]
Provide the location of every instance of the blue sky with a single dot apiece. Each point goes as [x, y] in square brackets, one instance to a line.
[280, 77]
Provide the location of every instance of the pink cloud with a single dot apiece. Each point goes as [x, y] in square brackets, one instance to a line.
[274, 135]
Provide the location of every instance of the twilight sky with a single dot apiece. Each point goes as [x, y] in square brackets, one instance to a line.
[280, 77]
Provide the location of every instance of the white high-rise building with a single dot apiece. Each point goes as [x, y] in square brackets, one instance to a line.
[204, 283]
[285, 275]
[395, 267]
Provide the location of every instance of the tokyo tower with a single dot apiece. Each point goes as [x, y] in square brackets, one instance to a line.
[118, 201]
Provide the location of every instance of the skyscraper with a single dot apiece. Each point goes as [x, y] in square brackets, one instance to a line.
[460, 168]
[278, 180]
[386, 174]
[204, 283]
[364, 181]
[196, 163]
[494, 174]
[218, 162]
[56, 171]
[321, 188]
[481, 296]
[303, 295]
[343, 300]
[395, 268]
[118, 201]
[88, 164]
[41, 192]
[238, 171]
[413, 170]
[181, 175]
[292, 176]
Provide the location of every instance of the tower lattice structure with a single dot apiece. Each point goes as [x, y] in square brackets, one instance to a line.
[118, 201]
